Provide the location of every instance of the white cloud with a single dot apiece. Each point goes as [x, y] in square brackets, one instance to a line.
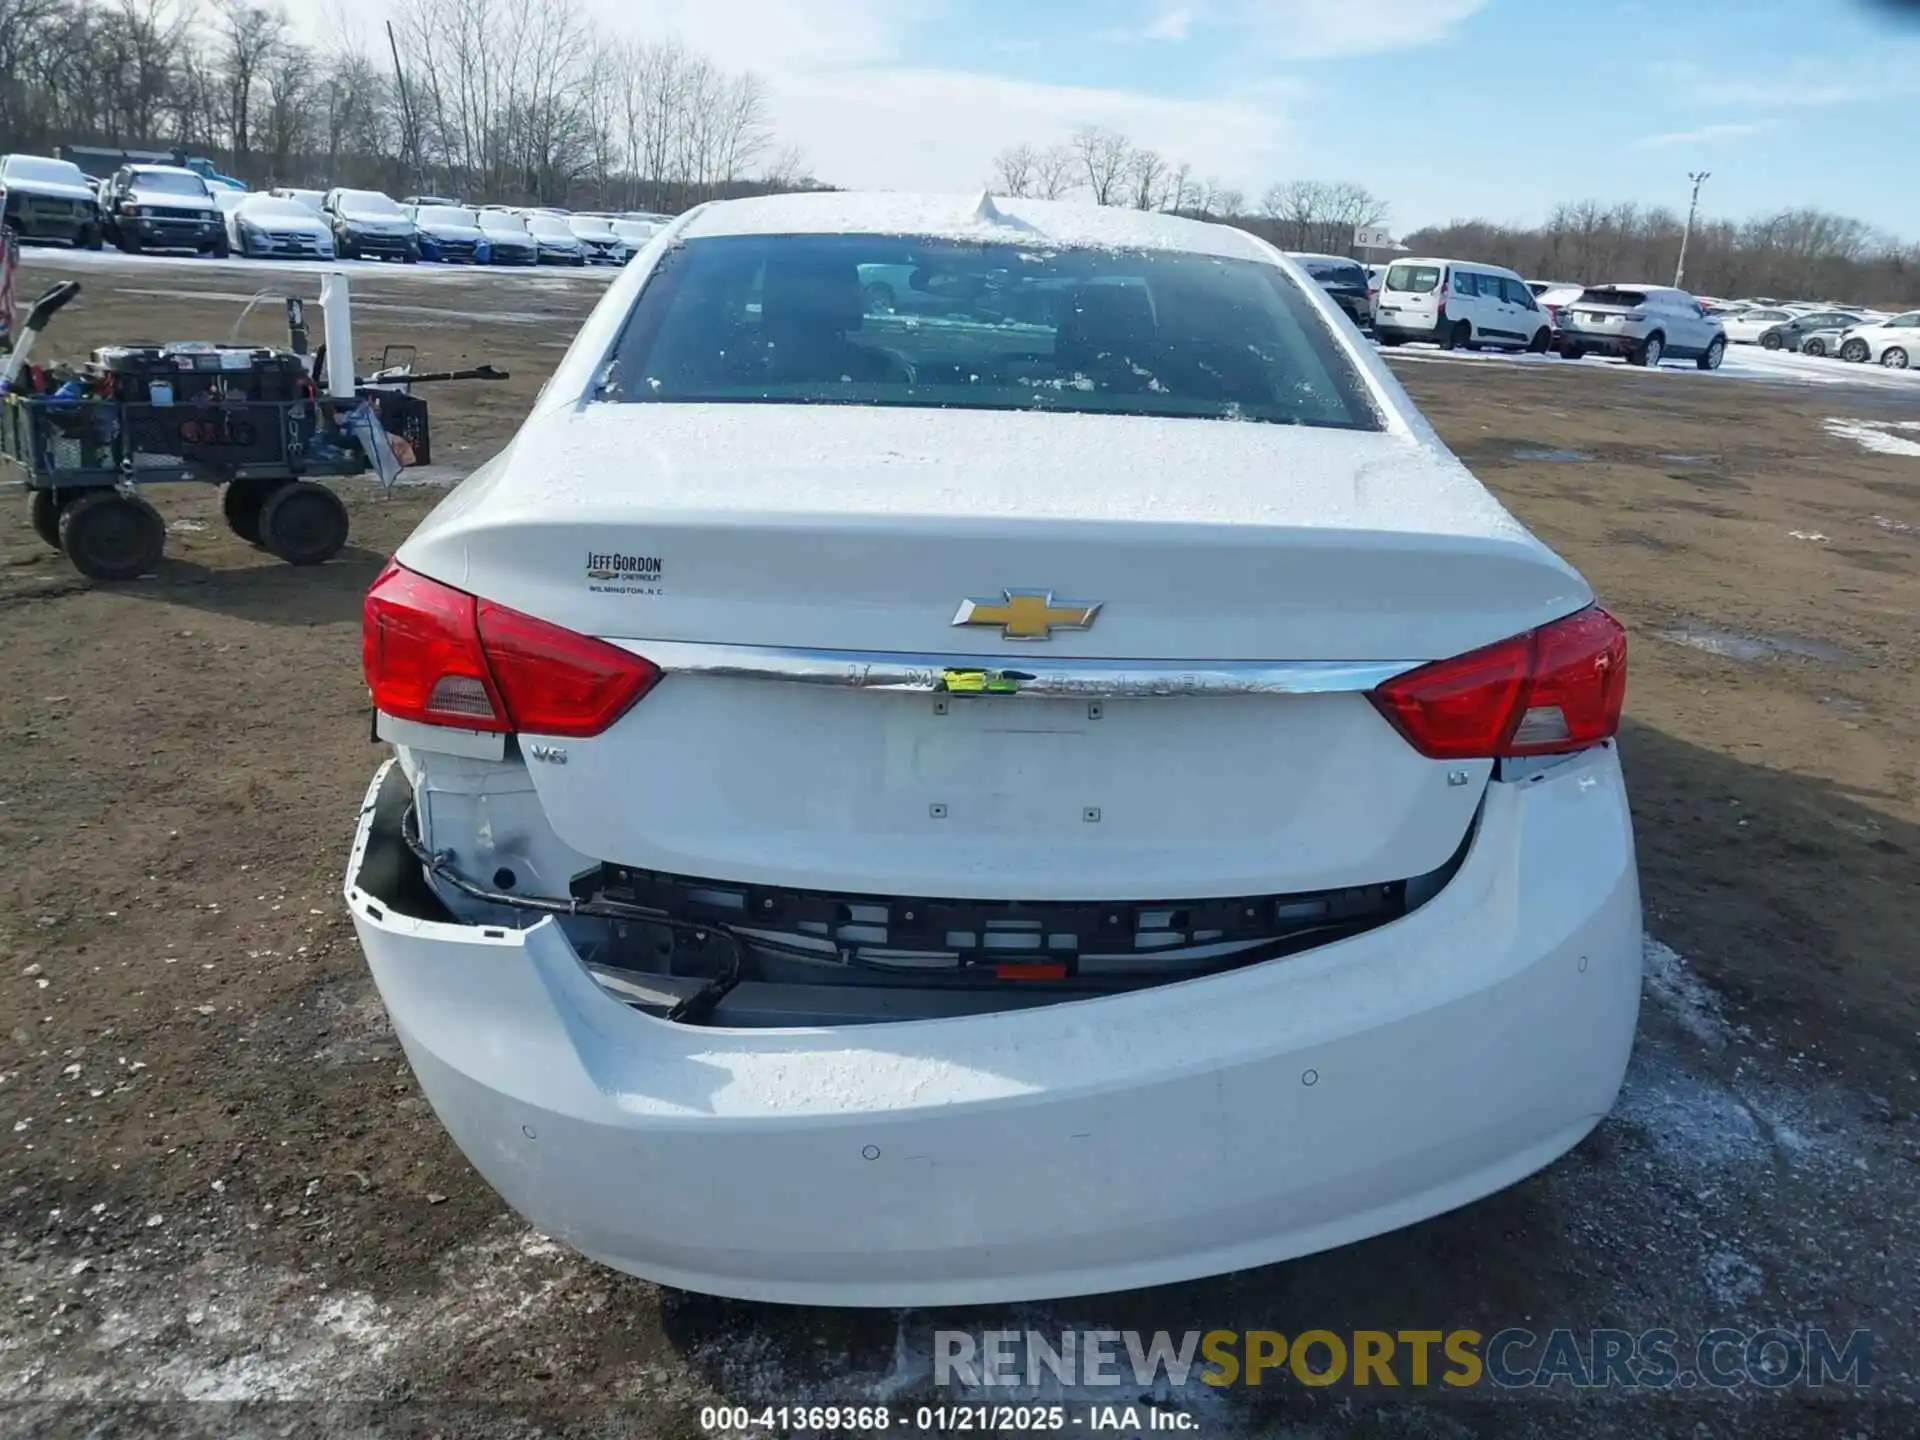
[1708, 134]
[899, 128]
[773, 36]
[1321, 29]
[768, 36]
[846, 91]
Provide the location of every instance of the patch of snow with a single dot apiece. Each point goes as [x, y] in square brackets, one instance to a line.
[1745, 363]
[961, 217]
[1682, 994]
[852, 460]
[1883, 437]
[257, 1333]
[1691, 1122]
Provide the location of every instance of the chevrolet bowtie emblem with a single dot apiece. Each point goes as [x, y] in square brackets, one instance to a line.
[1027, 614]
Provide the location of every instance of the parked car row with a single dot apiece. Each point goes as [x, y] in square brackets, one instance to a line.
[1462, 305]
[153, 206]
[1847, 332]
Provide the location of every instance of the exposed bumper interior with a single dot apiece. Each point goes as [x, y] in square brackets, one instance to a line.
[704, 951]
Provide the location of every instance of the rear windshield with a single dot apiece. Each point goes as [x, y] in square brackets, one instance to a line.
[1419, 279]
[1336, 272]
[1608, 295]
[31, 168]
[899, 320]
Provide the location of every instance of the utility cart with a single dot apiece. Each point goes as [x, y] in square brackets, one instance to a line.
[84, 461]
[253, 420]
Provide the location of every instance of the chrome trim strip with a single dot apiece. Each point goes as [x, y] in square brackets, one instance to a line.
[1040, 678]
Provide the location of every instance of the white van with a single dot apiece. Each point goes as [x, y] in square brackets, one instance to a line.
[1454, 303]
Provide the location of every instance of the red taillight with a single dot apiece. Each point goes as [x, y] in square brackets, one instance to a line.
[439, 656]
[1549, 691]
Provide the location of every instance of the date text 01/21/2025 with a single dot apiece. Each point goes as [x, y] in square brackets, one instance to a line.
[944, 1419]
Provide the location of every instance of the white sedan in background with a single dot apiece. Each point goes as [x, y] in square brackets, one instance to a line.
[1747, 326]
[1894, 343]
[636, 233]
[274, 227]
[900, 814]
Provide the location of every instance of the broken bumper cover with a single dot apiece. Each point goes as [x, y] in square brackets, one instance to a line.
[1090, 1146]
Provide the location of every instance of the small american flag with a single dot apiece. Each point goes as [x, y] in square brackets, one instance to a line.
[9, 262]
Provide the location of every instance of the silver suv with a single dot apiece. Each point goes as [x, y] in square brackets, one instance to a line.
[1645, 323]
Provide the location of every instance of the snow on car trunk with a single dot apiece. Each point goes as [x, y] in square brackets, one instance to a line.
[863, 528]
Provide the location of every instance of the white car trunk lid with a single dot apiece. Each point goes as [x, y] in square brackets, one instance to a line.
[1206, 545]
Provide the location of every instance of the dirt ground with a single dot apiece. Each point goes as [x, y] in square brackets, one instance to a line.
[225, 1208]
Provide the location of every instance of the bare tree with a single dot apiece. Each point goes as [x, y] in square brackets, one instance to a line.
[250, 36]
[787, 170]
[1103, 157]
[1055, 172]
[1182, 191]
[1146, 179]
[1013, 170]
[1319, 215]
[287, 111]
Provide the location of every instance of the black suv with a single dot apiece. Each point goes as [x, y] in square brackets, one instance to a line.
[161, 207]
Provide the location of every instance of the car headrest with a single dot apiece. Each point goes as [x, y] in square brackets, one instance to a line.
[821, 297]
[1105, 320]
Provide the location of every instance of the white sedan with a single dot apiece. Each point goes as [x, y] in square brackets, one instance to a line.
[890, 813]
[274, 227]
[1746, 327]
[1894, 343]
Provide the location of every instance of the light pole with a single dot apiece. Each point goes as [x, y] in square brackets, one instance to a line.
[1699, 178]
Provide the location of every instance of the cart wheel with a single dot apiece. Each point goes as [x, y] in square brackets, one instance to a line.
[45, 509]
[242, 503]
[110, 536]
[303, 523]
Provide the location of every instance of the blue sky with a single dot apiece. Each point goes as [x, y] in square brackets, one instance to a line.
[1447, 108]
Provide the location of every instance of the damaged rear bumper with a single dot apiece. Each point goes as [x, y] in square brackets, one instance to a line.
[1095, 1145]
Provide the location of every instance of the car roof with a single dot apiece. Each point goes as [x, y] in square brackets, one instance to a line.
[968, 217]
[142, 169]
